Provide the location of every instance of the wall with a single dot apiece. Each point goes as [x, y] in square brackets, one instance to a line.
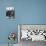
[31, 11]
[6, 25]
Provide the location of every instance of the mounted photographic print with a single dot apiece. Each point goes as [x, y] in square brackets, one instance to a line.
[32, 32]
[10, 12]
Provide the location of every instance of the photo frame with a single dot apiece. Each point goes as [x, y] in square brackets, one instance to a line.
[10, 12]
[36, 32]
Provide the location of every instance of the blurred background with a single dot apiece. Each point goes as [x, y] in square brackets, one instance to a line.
[26, 12]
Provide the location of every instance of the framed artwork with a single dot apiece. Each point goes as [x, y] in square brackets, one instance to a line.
[10, 12]
[32, 32]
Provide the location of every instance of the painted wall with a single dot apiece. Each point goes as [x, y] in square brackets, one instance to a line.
[31, 11]
[6, 25]
[27, 12]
